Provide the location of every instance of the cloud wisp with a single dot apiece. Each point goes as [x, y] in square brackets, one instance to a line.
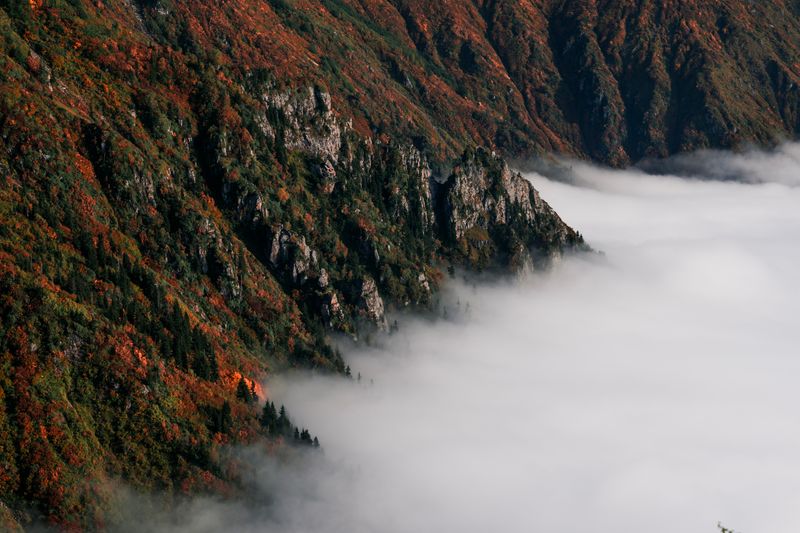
[749, 166]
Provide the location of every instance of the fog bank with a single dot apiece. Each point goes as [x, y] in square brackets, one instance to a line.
[653, 389]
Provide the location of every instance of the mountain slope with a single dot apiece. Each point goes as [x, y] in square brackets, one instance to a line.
[196, 194]
[175, 229]
[612, 80]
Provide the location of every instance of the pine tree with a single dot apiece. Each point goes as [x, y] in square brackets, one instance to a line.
[197, 341]
[213, 368]
[165, 344]
[102, 257]
[226, 421]
[87, 248]
[284, 425]
[243, 391]
[179, 351]
[124, 283]
[201, 367]
[269, 416]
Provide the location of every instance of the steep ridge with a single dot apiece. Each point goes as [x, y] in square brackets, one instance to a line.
[196, 194]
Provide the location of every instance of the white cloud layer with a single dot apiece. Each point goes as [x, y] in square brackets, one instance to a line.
[654, 389]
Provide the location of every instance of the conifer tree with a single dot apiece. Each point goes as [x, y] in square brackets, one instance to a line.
[225, 417]
[269, 416]
[102, 258]
[200, 367]
[284, 425]
[243, 391]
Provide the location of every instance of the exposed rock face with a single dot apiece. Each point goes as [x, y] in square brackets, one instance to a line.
[311, 126]
[485, 214]
[328, 175]
[423, 282]
[136, 183]
[291, 256]
[470, 202]
[252, 209]
[330, 309]
[419, 167]
[213, 256]
[323, 280]
[485, 208]
[369, 301]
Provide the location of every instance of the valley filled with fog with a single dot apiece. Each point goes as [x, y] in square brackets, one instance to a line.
[649, 388]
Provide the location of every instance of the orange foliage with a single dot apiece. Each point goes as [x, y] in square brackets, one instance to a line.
[308, 220]
[132, 356]
[84, 165]
[231, 381]
[34, 62]
[7, 267]
[366, 226]
[45, 282]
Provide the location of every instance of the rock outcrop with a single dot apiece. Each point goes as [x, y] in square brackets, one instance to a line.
[490, 212]
[480, 213]
[290, 256]
[368, 301]
[309, 124]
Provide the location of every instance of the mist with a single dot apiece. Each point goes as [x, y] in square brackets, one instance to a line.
[651, 388]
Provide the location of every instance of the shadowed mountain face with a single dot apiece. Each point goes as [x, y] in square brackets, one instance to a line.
[611, 80]
[196, 193]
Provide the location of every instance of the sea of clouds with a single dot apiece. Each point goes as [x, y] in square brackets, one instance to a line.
[653, 388]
